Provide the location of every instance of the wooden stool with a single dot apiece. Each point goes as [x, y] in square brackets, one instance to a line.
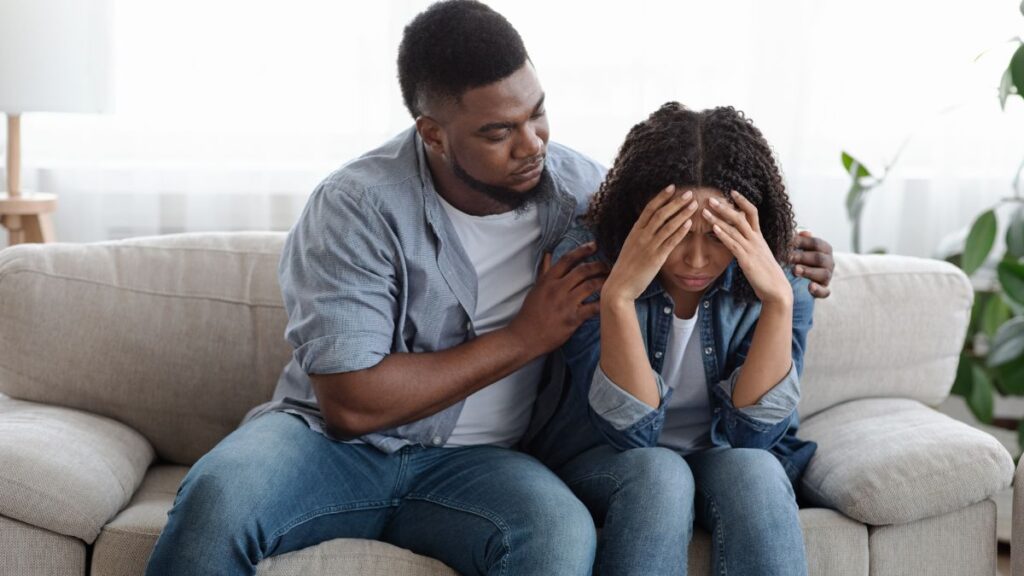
[27, 217]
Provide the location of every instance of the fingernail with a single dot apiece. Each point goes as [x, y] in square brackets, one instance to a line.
[687, 223]
[798, 270]
[671, 188]
[706, 213]
[735, 193]
[714, 202]
[687, 195]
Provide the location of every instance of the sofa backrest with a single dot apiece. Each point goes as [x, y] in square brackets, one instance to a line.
[893, 327]
[179, 336]
[176, 336]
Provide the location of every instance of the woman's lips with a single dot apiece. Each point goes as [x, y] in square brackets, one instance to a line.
[694, 281]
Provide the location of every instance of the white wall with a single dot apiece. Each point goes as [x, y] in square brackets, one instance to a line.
[227, 113]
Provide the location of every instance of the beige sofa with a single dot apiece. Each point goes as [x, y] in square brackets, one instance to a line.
[124, 362]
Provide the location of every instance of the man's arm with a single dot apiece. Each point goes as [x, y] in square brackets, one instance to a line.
[812, 259]
[403, 388]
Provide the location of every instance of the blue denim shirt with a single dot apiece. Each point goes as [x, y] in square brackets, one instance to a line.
[374, 267]
[596, 410]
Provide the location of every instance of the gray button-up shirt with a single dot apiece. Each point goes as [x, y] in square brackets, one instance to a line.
[373, 266]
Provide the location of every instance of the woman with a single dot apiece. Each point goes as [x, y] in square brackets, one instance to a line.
[696, 353]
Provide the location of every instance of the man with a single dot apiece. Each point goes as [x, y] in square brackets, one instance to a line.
[421, 329]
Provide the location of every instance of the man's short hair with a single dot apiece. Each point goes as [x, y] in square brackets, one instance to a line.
[454, 46]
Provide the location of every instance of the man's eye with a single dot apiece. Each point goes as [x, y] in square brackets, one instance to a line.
[498, 135]
[538, 114]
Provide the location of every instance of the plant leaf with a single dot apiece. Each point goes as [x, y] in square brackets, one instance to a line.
[1011, 277]
[1006, 88]
[994, 314]
[1015, 235]
[854, 167]
[1008, 342]
[979, 242]
[964, 372]
[980, 400]
[1012, 376]
[1017, 69]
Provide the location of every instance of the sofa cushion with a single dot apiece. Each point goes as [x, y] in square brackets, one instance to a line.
[64, 470]
[29, 550]
[961, 543]
[125, 544]
[893, 327]
[892, 461]
[176, 336]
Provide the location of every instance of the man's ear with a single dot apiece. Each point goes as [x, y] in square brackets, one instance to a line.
[432, 133]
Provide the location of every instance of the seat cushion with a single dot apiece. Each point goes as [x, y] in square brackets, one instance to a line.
[894, 461]
[67, 471]
[836, 545]
[124, 546]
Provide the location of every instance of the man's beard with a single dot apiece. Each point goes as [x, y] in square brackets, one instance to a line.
[513, 200]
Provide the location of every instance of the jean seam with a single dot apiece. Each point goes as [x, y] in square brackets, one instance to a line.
[477, 511]
[598, 568]
[719, 533]
[610, 476]
[325, 511]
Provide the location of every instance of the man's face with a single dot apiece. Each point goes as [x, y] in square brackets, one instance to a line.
[495, 138]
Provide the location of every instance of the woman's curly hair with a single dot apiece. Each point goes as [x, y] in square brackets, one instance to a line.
[717, 148]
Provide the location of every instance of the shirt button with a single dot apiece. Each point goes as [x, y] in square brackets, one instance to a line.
[708, 350]
[667, 309]
[437, 440]
[658, 354]
[707, 304]
[469, 326]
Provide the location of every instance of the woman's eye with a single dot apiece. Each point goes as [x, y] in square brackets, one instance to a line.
[713, 237]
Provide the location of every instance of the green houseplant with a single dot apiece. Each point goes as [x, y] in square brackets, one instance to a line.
[992, 360]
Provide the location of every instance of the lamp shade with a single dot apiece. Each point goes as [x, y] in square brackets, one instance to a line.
[54, 55]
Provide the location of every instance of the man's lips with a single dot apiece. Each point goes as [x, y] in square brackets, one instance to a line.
[530, 169]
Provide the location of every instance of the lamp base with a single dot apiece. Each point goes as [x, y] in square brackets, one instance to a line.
[27, 217]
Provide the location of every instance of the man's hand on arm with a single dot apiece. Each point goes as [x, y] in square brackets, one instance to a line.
[403, 388]
[812, 259]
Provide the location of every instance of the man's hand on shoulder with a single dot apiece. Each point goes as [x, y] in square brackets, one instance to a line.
[555, 306]
[812, 259]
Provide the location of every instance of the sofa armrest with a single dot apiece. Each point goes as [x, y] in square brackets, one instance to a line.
[892, 461]
[64, 470]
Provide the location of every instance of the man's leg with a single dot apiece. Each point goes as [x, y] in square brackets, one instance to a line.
[270, 487]
[489, 510]
[746, 502]
[643, 500]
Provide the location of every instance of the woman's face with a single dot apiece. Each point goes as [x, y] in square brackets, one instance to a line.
[700, 258]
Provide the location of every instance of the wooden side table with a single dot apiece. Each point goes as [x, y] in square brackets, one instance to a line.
[27, 217]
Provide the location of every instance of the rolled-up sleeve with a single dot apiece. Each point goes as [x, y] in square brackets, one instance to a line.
[620, 409]
[763, 423]
[339, 283]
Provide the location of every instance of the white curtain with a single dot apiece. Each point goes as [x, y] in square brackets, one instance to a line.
[227, 113]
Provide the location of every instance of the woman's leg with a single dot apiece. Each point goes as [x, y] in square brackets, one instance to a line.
[643, 501]
[746, 502]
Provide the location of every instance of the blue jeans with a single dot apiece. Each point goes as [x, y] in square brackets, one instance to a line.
[647, 499]
[274, 486]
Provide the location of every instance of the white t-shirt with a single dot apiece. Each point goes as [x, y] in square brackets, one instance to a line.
[687, 417]
[503, 250]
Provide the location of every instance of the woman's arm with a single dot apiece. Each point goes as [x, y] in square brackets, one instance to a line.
[768, 360]
[662, 225]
